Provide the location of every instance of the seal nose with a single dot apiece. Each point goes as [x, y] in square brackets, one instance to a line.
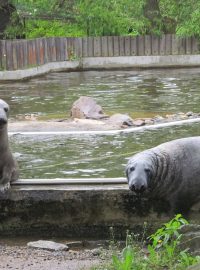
[137, 188]
[3, 121]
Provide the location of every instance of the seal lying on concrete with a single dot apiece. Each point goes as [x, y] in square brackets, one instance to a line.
[8, 165]
[170, 171]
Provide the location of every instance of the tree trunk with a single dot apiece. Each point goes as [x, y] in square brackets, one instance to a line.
[152, 13]
[6, 10]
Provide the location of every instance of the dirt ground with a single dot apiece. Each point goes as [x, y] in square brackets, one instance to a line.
[23, 257]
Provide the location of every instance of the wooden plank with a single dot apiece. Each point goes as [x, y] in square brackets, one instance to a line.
[78, 47]
[110, 46]
[44, 41]
[57, 47]
[62, 49]
[1, 67]
[140, 43]
[29, 48]
[168, 44]
[85, 47]
[1, 64]
[188, 45]
[162, 47]
[195, 45]
[48, 50]
[182, 46]
[116, 46]
[25, 53]
[127, 50]
[37, 47]
[134, 47]
[53, 49]
[122, 46]
[104, 46]
[9, 55]
[155, 41]
[90, 46]
[147, 45]
[21, 56]
[34, 53]
[97, 46]
[15, 55]
[37, 51]
[175, 45]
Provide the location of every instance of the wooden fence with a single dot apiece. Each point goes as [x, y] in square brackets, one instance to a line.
[21, 54]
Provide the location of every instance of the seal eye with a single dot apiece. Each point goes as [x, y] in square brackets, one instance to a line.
[132, 169]
[6, 109]
[148, 172]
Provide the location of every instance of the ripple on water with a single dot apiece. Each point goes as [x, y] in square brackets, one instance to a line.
[88, 156]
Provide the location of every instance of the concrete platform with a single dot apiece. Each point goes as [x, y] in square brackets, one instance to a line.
[78, 210]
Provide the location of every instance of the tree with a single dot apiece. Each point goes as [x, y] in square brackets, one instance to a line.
[6, 11]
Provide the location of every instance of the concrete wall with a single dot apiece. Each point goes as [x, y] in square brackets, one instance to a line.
[77, 211]
[89, 63]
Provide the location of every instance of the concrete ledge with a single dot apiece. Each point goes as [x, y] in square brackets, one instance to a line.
[141, 61]
[37, 71]
[105, 63]
[72, 211]
[78, 210]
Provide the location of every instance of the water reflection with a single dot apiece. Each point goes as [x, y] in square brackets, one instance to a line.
[87, 156]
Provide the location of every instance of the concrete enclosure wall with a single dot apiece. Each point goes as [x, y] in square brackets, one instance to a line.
[22, 54]
[78, 211]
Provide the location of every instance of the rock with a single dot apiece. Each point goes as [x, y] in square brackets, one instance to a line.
[138, 122]
[121, 120]
[96, 251]
[190, 238]
[159, 119]
[48, 245]
[188, 114]
[148, 121]
[87, 108]
[75, 244]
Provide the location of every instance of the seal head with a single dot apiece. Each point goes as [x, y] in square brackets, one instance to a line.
[4, 111]
[139, 173]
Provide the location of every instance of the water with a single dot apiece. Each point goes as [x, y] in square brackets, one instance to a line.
[88, 156]
[139, 93]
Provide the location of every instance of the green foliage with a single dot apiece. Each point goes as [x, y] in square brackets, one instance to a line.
[42, 28]
[168, 232]
[102, 17]
[163, 251]
[125, 263]
[113, 17]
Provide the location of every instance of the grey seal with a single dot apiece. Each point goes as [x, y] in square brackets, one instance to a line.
[169, 171]
[8, 165]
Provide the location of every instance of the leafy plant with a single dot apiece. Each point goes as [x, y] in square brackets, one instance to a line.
[163, 251]
[125, 263]
[168, 232]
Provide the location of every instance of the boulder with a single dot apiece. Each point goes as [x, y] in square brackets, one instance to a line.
[121, 120]
[48, 245]
[138, 122]
[87, 108]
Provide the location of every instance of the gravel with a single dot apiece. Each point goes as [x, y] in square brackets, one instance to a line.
[22, 257]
